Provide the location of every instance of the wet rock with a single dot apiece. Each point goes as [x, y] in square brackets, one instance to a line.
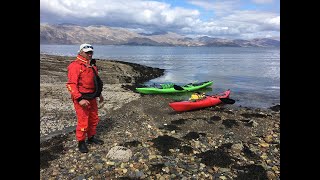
[275, 108]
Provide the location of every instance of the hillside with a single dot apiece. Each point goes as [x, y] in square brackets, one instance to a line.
[103, 35]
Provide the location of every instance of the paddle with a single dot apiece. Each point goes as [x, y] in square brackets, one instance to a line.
[224, 100]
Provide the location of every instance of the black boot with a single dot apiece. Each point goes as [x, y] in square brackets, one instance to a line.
[94, 140]
[82, 147]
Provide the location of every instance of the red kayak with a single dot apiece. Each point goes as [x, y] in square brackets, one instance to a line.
[208, 101]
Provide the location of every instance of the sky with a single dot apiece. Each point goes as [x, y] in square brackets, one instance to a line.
[231, 19]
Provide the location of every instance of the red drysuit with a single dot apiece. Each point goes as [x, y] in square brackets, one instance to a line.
[80, 79]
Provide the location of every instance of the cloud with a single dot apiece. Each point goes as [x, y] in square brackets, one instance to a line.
[206, 4]
[244, 24]
[107, 12]
[262, 20]
[262, 1]
[153, 16]
[219, 7]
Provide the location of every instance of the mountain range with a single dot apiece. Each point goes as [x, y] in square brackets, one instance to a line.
[103, 35]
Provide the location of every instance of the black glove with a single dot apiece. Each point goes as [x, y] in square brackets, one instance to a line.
[93, 62]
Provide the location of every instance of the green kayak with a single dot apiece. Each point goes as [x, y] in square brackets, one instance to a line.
[172, 88]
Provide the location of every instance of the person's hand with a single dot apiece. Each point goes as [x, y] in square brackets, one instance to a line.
[101, 99]
[84, 102]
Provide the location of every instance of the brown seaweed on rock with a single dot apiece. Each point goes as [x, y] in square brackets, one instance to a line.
[164, 143]
[251, 171]
[216, 157]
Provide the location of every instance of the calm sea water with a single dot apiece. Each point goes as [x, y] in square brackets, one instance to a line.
[252, 74]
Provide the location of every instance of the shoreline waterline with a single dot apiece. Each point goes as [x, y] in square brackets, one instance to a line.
[253, 74]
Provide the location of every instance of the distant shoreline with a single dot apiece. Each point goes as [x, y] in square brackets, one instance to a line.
[114, 36]
[276, 47]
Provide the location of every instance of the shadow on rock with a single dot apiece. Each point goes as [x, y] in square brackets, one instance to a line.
[105, 125]
[50, 150]
[50, 154]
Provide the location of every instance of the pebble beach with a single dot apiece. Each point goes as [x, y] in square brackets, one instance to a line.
[220, 142]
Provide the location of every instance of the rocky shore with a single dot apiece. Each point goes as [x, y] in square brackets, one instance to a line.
[145, 139]
[56, 109]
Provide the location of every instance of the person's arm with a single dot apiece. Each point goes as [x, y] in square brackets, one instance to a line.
[101, 99]
[72, 84]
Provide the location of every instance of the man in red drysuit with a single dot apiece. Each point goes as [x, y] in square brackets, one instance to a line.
[81, 81]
